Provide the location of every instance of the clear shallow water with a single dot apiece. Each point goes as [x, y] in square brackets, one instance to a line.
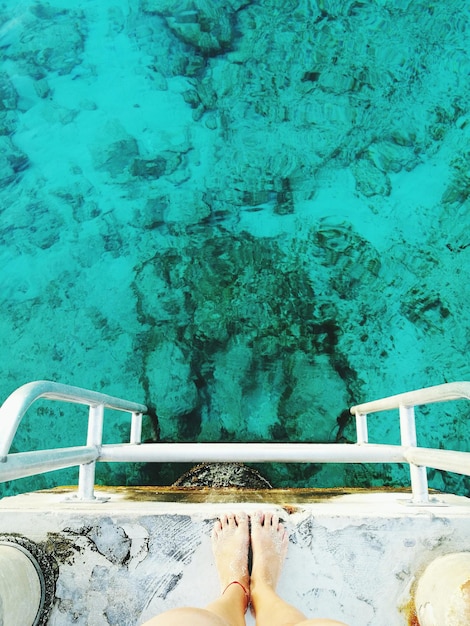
[249, 215]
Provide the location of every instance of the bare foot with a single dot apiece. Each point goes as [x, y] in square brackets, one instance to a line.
[230, 541]
[269, 543]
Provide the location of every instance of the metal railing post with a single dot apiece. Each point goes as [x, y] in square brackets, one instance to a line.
[86, 479]
[136, 428]
[361, 428]
[418, 474]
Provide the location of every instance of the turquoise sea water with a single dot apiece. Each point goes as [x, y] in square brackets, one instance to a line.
[250, 215]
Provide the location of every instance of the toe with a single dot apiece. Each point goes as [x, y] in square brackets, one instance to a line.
[231, 520]
[268, 519]
[241, 519]
[218, 527]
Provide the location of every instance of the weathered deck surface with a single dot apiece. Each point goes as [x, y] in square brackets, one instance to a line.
[352, 557]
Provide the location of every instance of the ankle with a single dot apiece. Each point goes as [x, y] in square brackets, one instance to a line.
[238, 589]
[262, 588]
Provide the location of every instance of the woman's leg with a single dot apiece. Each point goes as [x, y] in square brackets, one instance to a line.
[230, 541]
[269, 543]
[186, 616]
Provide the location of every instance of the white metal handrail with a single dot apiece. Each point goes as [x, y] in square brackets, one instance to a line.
[428, 395]
[16, 405]
[254, 453]
[418, 458]
[23, 464]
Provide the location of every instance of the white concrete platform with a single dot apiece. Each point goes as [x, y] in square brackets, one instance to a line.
[353, 557]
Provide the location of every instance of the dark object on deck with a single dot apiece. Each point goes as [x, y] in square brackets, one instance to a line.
[219, 475]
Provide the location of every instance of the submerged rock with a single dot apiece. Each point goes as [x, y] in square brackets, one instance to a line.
[47, 39]
[8, 104]
[12, 162]
[205, 25]
[239, 321]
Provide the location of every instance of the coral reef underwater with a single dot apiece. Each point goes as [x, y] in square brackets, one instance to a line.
[250, 215]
